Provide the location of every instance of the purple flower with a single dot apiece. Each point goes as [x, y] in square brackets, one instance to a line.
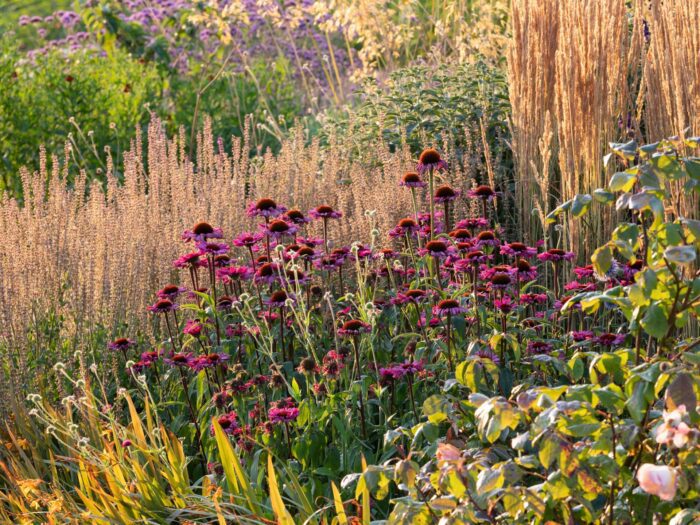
[555, 255]
[486, 353]
[412, 180]
[247, 239]
[518, 249]
[122, 344]
[483, 192]
[265, 208]
[228, 423]
[437, 249]
[325, 212]
[583, 272]
[609, 339]
[581, 335]
[213, 248]
[279, 228]
[539, 347]
[202, 231]
[430, 159]
[445, 194]
[296, 217]
[505, 304]
[472, 223]
[192, 260]
[163, 306]
[170, 291]
[448, 307]
[354, 327]
[179, 359]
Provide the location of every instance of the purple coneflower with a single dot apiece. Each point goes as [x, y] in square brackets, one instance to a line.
[505, 304]
[189, 260]
[170, 291]
[354, 327]
[181, 359]
[539, 347]
[228, 423]
[581, 335]
[609, 339]
[448, 307]
[533, 298]
[283, 415]
[325, 212]
[278, 299]
[202, 231]
[213, 248]
[437, 249]
[265, 208]
[583, 272]
[247, 239]
[445, 194]
[524, 270]
[296, 217]
[555, 255]
[486, 238]
[412, 180]
[486, 353]
[279, 228]
[430, 159]
[472, 223]
[518, 249]
[163, 306]
[267, 273]
[483, 192]
[121, 344]
[500, 281]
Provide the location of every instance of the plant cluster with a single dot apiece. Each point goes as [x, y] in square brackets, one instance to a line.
[470, 377]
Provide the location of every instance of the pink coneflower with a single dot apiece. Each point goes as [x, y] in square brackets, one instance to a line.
[483, 192]
[193, 328]
[189, 260]
[539, 347]
[410, 296]
[575, 286]
[486, 238]
[201, 232]
[505, 304]
[311, 242]
[327, 263]
[485, 353]
[296, 217]
[533, 298]
[609, 339]
[391, 373]
[222, 261]
[524, 270]
[472, 223]
[325, 212]
[500, 281]
[170, 291]
[460, 234]
[581, 335]
[430, 159]
[228, 423]
[476, 256]
[224, 303]
[210, 360]
[283, 415]
[518, 249]
[405, 226]
[556, 255]
[437, 249]
[340, 254]
[308, 366]
[354, 327]
[235, 273]
[265, 208]
[183, 359]
[150, 356]
[267, 273]
[445, 193]
[163, 306]
[247, 239]
[583, 272]
[279, 228]
[412, 180]
[278, 299]
[121, 344]
[221, 399]
[448, 307]
[213, 248]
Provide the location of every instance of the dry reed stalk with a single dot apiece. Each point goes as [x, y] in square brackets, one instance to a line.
[98, 258]
[531, 79]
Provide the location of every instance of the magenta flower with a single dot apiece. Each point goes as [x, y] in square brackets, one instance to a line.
[179, 359]
[445, 194]
[556, 255]
[483, 192]
[524, 271]
[296, 217]
[583, 272]
[210, 360]
[448, 307]
[472, 223]
[533, 298]
[235, 273]
[609, 339]
[500, 281]
[486, 238]
[265, 208]
[283, 415]
[279, 228]
[163, 306]
[486, 353]
[170, 291]
[581, 335]
[325, 212]
[505, 304]
[202, 232]
[267, 273]
[539, 347]
[191, 260]
[228, 423]
[193, 328]
[247, 239]
[430, 159]
[122, 344]
[518, 249]
[412, 180]
[354, 327]
[213, 248]
[437, 249]
[278, 299]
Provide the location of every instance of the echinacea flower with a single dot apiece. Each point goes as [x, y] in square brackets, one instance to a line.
[448, 307]
[181, 359]
[533, 298]
[556, 255]
[296, 217]
[267, 273]
[193, 328]
[247, 239]
[483, 192]
[283, 415]
[445, 193]
[202, 231]
[163, 306]
[486, 238]
[539, 347]
[500, 281]
[325, 212]
[518, 249]
[308, 366]
[170, 291]
[430, 159]
[486, 353]
[437, 249]
[278, 299]
[415, 296]
[191, 260]
[581, 335]
[609, 339]
[584, 271]
[472, 223]
[505, 304]
[228, 423]
[121, 344]
[658, 480]
[265, 208]
[354, 327]
[279, 228]
[213, 248]
[412, 180]
[524, 271]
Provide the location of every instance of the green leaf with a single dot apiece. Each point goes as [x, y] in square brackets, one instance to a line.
[602, 259]
[654, 321]
[581, 205]
[681, 254]
[622, 181]
[681, 392]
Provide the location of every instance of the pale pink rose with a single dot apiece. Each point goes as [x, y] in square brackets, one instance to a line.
[658, 480]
